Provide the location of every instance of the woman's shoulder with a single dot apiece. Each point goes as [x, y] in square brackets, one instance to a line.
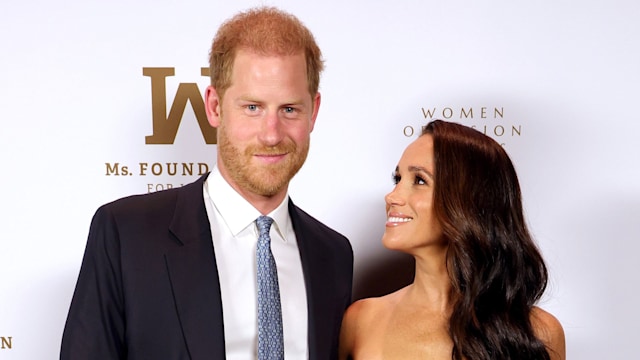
[361, 321]
[364, 309]
[373, 306]
[548, 329]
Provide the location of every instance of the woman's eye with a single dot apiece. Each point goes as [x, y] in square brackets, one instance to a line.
[395, 178]
[419, 181]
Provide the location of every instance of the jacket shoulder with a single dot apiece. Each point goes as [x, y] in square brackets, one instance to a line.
[152, 204]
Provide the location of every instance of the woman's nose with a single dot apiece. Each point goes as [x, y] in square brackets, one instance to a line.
[394, 197]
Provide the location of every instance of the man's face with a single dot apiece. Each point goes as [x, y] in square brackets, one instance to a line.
[264, 121]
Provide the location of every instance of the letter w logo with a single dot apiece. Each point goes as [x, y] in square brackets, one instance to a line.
[165, 127]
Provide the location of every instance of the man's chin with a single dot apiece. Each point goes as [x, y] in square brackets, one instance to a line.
[267, 189]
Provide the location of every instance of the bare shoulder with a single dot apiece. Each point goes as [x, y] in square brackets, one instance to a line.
[361, 313]
[548, 329]
[369, 309]
[353, 322]
[359, 322]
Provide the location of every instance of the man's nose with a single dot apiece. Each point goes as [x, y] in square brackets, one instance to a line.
[271, 129]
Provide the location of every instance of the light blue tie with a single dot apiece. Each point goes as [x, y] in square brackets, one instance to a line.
[270, 339]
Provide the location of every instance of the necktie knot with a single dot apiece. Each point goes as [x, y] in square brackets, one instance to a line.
[264, 224]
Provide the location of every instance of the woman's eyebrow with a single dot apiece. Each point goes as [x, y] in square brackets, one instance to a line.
[414, 168]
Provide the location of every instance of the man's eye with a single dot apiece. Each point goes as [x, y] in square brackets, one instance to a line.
[289, 109]
[252, 107]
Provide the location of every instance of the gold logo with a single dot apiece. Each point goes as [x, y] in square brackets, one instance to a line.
[167, 175]
[5, 342]
[165, 127]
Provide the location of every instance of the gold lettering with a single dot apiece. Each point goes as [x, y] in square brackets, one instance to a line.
[465, 113]
[156, 169]
[143, 169]
[187, 169]
[171, 169]
[116, 169]
[6, 342]
[516, 130]
[172, 172]
[165, 127]
[202, 166]
[428, 113]
[158, 187]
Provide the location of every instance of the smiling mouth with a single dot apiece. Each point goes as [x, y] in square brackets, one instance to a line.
[271, 158]
[270, 155]
[395, 219]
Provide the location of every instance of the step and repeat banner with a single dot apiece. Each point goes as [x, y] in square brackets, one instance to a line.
[99, 100]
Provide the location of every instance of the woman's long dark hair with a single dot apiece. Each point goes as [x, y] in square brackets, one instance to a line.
[496, 270]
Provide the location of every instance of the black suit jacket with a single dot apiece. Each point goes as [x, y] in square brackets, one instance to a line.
[148, 286]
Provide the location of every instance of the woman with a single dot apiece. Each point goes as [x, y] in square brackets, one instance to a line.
[456, 207]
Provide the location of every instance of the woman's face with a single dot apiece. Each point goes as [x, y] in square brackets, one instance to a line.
[411, 222]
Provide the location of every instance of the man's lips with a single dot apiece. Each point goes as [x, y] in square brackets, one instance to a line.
[270, 158]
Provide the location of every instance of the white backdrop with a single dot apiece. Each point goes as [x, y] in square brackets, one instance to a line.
[561, 78]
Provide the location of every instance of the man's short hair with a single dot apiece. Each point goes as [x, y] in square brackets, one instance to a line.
[265, 31]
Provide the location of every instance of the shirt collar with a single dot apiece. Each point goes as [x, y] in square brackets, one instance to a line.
[237, 212]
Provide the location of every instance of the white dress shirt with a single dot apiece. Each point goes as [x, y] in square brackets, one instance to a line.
[235, 235]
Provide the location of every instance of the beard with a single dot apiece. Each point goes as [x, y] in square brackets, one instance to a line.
[266, 179]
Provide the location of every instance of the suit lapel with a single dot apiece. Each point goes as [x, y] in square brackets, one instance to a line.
[194, 276]
[315, 265]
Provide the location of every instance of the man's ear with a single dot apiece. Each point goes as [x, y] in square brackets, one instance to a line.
[316, 108]
[212, 103]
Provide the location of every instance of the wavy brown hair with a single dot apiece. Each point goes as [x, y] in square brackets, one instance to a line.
[266, 31]
[496, 270]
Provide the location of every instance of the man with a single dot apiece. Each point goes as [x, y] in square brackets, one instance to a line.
[172, 275]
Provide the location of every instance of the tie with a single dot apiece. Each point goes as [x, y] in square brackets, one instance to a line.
[270, 339]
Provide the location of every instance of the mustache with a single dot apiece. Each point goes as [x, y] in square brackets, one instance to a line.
[282, 148]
